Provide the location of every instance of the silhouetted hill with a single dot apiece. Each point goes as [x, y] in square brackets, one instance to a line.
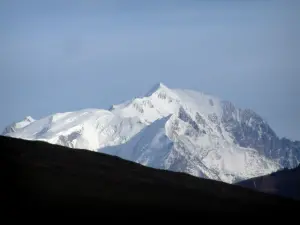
[43, 178]
[285, 183]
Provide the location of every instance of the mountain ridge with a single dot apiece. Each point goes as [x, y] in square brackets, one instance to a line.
[43, 178]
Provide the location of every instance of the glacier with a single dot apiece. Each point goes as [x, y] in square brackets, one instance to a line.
[172, 129]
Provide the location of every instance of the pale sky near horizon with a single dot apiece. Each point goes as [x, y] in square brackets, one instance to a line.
[58, 56]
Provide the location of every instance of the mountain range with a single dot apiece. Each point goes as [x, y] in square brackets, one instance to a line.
[172, 129]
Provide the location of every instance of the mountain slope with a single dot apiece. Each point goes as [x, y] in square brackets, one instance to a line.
[89, 128]
[38, 177]
[174, 129]
[18, 126]
[159, 145]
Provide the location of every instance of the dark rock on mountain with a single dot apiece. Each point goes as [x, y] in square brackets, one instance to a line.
[187, 118]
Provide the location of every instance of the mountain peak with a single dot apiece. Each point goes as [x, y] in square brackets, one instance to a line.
[29, 119]
[156, 87]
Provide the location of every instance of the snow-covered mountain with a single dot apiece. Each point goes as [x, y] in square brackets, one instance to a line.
[17, 126]
[173, 129]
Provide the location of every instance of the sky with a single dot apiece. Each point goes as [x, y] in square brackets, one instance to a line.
[59, 56]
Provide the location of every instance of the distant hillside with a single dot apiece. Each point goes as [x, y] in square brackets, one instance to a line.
[44, 178]
[285, 183]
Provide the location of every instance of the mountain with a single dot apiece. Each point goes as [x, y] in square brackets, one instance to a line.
[285, 183]
[39, 178]
[173, 129]
[160, 145]
[18, 126]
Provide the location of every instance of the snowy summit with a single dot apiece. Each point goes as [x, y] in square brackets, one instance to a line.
[172, 129]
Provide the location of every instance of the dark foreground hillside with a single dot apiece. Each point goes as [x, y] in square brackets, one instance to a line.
[284, 183]
[43, 178]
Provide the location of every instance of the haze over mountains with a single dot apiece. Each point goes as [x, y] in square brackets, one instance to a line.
[172, 129]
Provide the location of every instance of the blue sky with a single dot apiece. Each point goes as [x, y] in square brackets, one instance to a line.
[59, 56]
